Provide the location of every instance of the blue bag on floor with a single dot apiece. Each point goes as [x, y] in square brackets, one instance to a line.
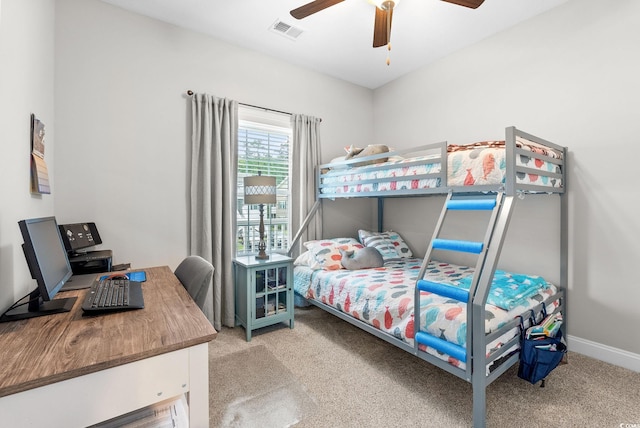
[539, 356]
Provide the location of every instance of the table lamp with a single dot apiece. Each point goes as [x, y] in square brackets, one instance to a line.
[260, 190]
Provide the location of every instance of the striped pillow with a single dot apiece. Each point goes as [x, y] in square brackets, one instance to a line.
[389, 244]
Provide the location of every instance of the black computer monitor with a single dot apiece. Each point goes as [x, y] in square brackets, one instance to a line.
[48, 263]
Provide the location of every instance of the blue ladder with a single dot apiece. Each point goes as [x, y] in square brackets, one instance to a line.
[455, 202]
[487, 252]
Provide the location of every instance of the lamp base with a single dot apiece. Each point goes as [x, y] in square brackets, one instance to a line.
[262, 245]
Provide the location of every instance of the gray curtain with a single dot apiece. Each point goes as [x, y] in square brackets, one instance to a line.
[214, 161]
[305, 157]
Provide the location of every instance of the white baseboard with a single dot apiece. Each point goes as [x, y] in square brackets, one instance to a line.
[605, 353]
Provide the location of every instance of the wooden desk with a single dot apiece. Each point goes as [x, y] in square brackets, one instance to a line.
[54, 368]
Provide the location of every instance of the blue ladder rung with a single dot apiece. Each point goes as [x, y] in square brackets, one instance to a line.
[455, 245]
[471, 204]
[456, 351]
[445, 290]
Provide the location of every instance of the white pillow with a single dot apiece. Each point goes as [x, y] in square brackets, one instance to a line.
[328, 255]
[307, 259]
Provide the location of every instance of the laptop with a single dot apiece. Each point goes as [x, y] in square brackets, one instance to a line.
[79, 282]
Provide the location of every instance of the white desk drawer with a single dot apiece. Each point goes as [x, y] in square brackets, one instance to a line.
[99, 396]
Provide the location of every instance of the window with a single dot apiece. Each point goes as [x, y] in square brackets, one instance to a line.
[263, 147]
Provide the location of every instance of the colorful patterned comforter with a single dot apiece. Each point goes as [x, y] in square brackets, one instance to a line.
[469, 165]
[384, 298]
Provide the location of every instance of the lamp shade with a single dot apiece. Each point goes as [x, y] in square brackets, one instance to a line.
[259, 189]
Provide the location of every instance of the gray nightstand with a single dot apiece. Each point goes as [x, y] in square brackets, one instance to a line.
[264, 291]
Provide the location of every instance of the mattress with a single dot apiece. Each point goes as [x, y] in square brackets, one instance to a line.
[384, 298]
[477, 164]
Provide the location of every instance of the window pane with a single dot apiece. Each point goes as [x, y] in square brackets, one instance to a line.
[263, 149]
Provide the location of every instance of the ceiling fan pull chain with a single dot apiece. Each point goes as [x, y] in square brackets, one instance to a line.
[388, 37]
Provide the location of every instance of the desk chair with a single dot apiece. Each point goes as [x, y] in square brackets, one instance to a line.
[195, 274]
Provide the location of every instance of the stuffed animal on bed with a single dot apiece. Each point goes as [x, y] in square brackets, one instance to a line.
[362, 258]
[356, 152]
[372, 149]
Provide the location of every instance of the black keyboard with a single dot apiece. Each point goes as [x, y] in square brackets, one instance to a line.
[113, 294]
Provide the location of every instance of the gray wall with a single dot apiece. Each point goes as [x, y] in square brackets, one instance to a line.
[569, 76]
[124, 119]
[116, 82]
[26, 86]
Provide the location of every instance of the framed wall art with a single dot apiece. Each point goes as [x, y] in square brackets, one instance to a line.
[39, 171]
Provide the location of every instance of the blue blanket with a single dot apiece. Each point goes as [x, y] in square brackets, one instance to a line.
[509, 290]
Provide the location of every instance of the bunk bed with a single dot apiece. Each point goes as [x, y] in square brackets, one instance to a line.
[468, 318]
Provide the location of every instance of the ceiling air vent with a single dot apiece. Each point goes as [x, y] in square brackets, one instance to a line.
[284, 29]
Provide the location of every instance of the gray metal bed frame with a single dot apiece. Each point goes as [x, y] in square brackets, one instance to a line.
[506, 195]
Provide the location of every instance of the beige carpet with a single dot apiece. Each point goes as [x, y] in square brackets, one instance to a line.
[251, 388]
[327, 373]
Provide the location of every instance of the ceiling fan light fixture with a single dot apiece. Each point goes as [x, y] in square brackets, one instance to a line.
[385, 4]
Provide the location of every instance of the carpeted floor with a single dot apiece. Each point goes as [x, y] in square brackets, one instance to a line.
[266, 394]
[327, 373]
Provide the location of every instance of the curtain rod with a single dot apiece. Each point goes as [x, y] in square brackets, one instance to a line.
[190, 93]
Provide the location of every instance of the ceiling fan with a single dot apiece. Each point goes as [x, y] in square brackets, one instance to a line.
[382, 21]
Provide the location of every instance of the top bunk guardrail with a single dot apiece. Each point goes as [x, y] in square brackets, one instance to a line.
[522, 163]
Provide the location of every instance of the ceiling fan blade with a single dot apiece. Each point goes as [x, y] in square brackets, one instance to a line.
[473, 4]
[380, 33]
[313, 7]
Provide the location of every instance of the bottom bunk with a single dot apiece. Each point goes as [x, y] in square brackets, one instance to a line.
[381, 301]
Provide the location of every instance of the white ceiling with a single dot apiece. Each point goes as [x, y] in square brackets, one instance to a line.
[338, 40]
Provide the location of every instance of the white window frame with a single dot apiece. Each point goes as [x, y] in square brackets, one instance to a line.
[265, 121]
